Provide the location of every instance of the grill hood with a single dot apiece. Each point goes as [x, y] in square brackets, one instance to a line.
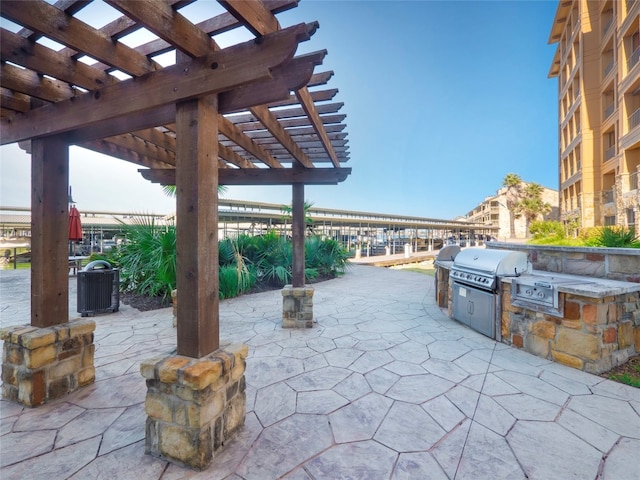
[491, 262]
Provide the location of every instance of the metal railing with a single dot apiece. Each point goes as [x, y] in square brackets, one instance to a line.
[634, 119]
[609, 153]
[633, 59]
[607, 26]
[609, 110]
[609, 67]
[630, 4]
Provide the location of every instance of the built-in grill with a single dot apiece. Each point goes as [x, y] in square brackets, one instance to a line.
[475, 274]
[541, 294]
[481, 267]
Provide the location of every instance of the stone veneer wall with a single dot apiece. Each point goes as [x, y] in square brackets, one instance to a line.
[621, 264]
[442, 287]
[42, 364]
[194, 405]
[297, 307]
[595, 334]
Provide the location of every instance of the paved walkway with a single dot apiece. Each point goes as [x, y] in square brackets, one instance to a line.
[384, 387]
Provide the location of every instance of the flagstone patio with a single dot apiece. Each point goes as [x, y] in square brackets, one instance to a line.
[384, 386]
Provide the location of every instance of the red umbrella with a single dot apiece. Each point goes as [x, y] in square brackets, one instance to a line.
[75, 226]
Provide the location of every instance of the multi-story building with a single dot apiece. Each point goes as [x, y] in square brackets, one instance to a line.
[598, 70]
[493, 212]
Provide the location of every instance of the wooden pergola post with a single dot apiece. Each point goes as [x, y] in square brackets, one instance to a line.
[53, 355]
[197, 226]
[49, 232]
[298, 234]
[297, 298]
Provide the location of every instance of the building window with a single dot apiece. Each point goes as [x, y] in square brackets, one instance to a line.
[609, 221]
[631, 217]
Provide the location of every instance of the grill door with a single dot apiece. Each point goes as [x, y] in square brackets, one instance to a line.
[475, 308]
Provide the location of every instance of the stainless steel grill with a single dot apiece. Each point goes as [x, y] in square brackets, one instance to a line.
[475, 273]
[480, 267]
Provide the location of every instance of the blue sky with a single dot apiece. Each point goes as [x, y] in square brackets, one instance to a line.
[443, 99]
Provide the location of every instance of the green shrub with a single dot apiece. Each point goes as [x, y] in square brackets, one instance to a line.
[327, 257]
[614, 237]
[147, 260]
[235, 280]
[551, 230]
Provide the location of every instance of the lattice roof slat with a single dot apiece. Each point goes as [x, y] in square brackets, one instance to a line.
[273, 124]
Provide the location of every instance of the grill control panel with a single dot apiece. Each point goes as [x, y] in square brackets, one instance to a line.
[536, 295]
[486, 282]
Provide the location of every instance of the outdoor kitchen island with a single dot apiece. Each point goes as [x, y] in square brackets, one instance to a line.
[597, 329]
[586, 322]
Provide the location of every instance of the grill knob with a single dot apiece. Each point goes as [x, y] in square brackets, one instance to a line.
[529, 292]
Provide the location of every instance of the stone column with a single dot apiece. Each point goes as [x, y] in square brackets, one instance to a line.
[194, 405]
[42, 364]
[297, 307]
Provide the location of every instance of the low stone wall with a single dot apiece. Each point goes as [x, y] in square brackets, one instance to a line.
[613, 263]
[42, 364]
[594, 335]
[194, 405]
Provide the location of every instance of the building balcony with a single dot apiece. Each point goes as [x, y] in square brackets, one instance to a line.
[609, 67]
[607, 196]
[630, 4]
[632, 60]
[608, 111]
[609, 153]
[607, 26]
[634, 119]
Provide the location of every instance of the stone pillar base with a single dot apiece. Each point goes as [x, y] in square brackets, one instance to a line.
[194, 405]
[297, 307]
[42, 364]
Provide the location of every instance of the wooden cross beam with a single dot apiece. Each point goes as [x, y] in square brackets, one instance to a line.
[259, 176]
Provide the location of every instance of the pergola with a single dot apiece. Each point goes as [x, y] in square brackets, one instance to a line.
[240, 115]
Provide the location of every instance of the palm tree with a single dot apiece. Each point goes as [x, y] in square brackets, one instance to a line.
[513, 182]
[531, 205]
[287, 213]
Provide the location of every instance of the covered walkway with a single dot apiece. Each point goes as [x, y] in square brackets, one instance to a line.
[384, 386]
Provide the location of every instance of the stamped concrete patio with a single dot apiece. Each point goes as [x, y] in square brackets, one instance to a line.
[385, 386]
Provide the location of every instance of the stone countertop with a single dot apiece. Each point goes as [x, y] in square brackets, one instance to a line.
[446, 264]
[593, 287]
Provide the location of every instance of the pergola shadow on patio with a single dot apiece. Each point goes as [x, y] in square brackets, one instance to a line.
[384, 386]
[238, 115]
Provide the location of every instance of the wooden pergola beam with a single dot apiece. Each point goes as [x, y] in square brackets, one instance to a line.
[259, 176]
[270, 121]
[108, 148]
[47, 20]
[312, 112]
[261, 22]
[254, 15]
[234, 134]
[168, 24]
[46, 61]
[217, 72]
